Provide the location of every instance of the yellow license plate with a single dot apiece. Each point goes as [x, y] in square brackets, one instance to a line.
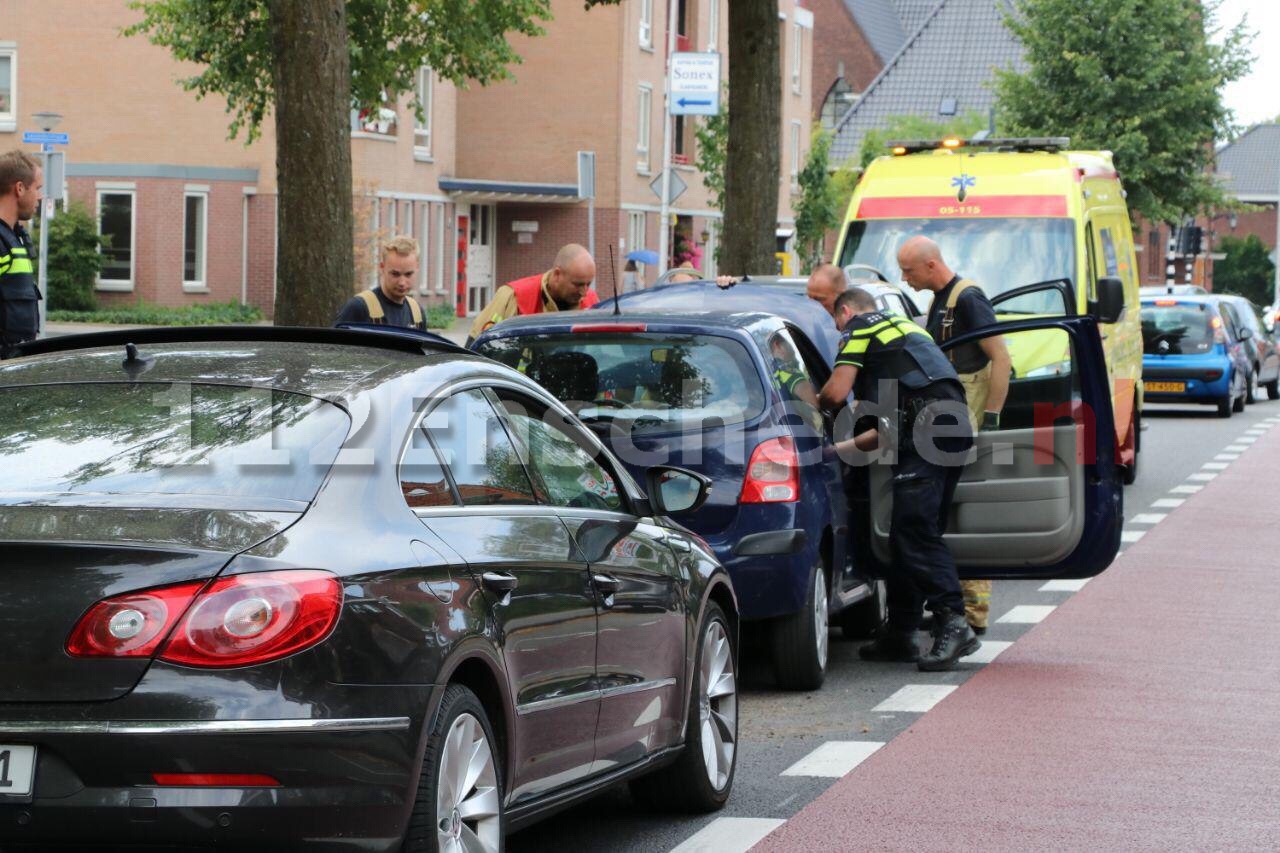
[1165, 387]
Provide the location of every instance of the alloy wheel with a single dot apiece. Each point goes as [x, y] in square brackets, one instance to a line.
[718, 708]
[821, 619]
[467, 799]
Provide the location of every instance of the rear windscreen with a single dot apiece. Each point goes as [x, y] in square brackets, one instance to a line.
[642, 382]
[204, 444]
[1182, 328]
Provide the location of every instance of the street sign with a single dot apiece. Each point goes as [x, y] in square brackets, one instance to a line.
[678, 186]
[695, 84]
[38, 137]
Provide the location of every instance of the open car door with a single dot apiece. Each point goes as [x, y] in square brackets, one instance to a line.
[1041, 497]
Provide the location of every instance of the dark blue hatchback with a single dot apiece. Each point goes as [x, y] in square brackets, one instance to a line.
[723, 382]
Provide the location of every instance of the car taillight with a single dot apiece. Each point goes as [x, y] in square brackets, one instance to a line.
[215, 780]
[1219, 334]
[237, 621]
[773, 473]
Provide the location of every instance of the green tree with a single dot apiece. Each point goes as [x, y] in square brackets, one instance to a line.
[906, 127]
[74, 259]
[712, 134]
[309, 63]
[818, 206]
[1246, 270]
[1137, 78]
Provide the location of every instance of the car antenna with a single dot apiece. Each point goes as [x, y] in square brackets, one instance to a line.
[613, 268]
[135, 364]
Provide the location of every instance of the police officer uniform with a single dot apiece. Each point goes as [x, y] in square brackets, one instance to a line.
[884, 346]
[19, 295]
[961, 307]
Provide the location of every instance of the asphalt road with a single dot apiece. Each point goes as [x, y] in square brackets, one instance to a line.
[778, 729]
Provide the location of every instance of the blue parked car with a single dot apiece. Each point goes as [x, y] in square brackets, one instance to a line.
[721, 382]
[1195, 351]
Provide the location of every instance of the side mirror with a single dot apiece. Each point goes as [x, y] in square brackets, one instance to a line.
[675, 491]
[1246, 333]
[1110, 302]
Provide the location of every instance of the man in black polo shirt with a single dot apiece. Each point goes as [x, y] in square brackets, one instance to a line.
[881, 354]
[391, 303]
[959, 306]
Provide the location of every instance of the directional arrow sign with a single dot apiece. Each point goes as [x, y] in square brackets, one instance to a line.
[35, 137]
[695, 84]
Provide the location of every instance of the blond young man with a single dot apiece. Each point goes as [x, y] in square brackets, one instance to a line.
[391, 302]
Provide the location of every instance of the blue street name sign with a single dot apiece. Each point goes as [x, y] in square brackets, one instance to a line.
[36, 137]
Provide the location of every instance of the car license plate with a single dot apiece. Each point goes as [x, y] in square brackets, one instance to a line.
[1166, 387]
[17, 769]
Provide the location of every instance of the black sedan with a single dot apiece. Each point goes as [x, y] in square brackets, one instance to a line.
[359, 591]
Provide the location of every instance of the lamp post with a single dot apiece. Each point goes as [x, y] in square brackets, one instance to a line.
[46, 121]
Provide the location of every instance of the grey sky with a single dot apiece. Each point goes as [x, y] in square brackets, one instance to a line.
[1256, 98]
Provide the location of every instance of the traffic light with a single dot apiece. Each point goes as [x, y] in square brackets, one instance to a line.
[1190, 240]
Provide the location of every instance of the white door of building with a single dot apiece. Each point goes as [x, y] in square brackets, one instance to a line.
[480, 257]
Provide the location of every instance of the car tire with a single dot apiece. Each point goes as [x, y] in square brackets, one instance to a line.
[460, 734]
[1273, 389]
[1238, 406]
[1225, 406]
[801, 640]
[1250, 385]
[701, 778]
[1129, 473]
[862, 620]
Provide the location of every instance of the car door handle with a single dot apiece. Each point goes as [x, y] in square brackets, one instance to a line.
[679, 544]
[499, 582]
[607, 584]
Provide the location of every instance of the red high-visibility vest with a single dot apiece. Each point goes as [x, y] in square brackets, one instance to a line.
[529, 294]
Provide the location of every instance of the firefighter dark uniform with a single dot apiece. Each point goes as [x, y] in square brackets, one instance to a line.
[19, 295]
[372, 306]
[888, 347]
[958, 308]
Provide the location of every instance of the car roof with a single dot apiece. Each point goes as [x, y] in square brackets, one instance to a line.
[320, 362]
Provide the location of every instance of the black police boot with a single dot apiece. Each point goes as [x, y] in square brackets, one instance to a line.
[952, 640]
[891, 644]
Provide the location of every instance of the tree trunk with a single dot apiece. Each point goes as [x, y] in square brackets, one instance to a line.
[312, 75]
[752, 161]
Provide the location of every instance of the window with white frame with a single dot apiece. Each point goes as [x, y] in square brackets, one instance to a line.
[195, 237]
[424, 246]
[644, 121]
[116, 223]
[8, 85]
[713, 27]
[635, 232]
[440, 245]
[797, 56]
[795, 155]
[646, 24]
[422, 126]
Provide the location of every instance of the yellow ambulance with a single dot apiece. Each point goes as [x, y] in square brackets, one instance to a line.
[1044, 230]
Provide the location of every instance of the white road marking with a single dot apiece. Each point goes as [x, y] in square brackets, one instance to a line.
[1131, 536]
[1202, 477]
[1236, 448]
[1073, 585]
[1148, 518]
[916, 698]
[1185, 490]
[1215, 466]
[835, 758]
[1246, 439]
[1027, 614]
[1256, 430]
[1226, 457]
[989, 651]
[1168, 503]
[729, 835]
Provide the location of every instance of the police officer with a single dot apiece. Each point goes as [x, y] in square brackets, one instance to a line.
[391, 303]
[21, 180]
[959, 306]
[564, 287]
[885, 354]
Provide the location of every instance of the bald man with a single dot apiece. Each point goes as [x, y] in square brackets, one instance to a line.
[564, 287]
[959, 306]
[825, 285]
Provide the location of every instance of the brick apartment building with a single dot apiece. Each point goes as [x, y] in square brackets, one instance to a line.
[487, 183]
